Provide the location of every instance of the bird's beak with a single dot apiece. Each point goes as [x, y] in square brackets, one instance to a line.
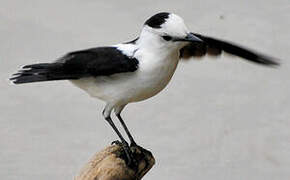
[190, 37]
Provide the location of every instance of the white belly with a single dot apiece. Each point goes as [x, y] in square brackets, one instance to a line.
[151, 77]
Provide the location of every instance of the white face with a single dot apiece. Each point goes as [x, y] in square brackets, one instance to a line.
[167, 33]
[174, 26]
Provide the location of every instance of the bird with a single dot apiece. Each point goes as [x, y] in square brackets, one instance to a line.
[136, 70]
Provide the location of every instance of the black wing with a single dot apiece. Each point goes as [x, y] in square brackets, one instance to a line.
[215, 47]
[102, 61]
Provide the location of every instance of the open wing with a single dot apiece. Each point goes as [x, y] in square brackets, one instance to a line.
[215, 47]
[102, 61]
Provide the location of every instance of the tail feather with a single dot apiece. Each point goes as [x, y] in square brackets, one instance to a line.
[40, 72]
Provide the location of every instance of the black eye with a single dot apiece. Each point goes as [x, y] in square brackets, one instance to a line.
[167, 38]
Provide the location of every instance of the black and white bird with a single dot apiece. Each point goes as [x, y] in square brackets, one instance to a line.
[137, 70]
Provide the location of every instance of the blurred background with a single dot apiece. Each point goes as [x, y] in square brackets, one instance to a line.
[223, 119]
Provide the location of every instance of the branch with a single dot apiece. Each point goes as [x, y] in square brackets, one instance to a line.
[110, 164]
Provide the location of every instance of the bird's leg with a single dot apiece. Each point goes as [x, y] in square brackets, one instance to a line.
[132, 141]
[107, 115]
[124, 143]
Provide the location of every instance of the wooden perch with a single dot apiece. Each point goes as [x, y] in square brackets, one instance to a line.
[110, 164]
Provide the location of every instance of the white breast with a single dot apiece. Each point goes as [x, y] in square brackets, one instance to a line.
[154, 73]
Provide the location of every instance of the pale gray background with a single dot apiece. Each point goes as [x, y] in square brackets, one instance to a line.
[222, 119]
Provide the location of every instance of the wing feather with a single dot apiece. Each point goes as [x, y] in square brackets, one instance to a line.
[102, 61]
[215, 47]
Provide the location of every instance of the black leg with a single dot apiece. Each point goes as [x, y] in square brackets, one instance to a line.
[124, 143]
[133, 143]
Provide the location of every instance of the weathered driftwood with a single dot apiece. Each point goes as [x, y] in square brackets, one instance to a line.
[110, 164]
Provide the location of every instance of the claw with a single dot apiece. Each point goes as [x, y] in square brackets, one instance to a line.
[117, 142]
[131, 162]
[129, 157]
[128, 153]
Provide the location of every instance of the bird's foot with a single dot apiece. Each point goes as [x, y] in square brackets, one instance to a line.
[130, 160]
[117, 142]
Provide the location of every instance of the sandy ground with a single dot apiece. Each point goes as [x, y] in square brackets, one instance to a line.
[222, 119]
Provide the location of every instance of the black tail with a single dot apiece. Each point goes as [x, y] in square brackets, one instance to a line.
[40, 72]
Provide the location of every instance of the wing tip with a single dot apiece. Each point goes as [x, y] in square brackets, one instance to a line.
[11, 81]
[269, 61]
[14, 80]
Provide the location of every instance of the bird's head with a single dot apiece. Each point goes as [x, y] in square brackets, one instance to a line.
[166, 30]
